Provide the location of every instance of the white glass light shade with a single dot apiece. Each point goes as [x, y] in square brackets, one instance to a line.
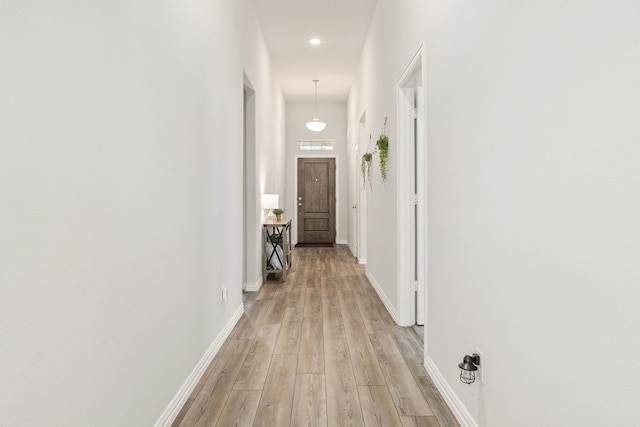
[270, 201]
[316, 125]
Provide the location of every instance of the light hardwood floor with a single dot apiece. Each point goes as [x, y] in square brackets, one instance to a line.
[317, 350]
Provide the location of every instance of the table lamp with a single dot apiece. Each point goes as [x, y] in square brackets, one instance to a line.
[271, 202]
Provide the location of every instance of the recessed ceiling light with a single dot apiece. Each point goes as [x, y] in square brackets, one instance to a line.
[315, 42]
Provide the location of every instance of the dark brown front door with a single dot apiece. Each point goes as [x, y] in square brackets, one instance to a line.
[317, 200]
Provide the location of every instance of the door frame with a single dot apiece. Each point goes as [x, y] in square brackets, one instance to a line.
[353, 220]
[361, 192]
[325, 155]
[251, 274]
[406, 293]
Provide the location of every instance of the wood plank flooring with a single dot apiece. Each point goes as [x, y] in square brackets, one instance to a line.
[317, 350]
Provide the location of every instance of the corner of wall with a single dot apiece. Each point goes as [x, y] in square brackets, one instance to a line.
[180, 398]
[385, 299]
[450, 397]
[253, 287]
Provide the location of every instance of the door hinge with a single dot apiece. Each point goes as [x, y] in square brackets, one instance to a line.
[414, 113]
[414, 285]
[414, 199]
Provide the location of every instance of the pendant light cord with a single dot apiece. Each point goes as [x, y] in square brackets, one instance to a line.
[316, 125]
[316, 100]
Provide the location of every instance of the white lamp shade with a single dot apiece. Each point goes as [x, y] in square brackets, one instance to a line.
[316, 125]
[270, 201]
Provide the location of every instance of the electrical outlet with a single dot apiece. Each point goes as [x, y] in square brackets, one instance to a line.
[482, 365]
[225, 293]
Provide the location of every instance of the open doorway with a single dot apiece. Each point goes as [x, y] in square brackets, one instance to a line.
[361, 195]
[250, 253]
[412, 165]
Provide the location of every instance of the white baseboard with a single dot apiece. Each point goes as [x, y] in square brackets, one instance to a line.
[362, 261]
[253, 287]
[385, 300]
[459, 410]
[178, 401]
[341, 242]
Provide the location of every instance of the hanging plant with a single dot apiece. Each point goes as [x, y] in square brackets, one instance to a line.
[383, 151]
[365, 169]
[365, 165]
[382, 147]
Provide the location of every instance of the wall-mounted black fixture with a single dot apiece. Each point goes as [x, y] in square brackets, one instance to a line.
[468, 368]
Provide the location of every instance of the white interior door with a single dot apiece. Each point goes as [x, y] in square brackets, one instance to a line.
[418, 207]
[361, 196]
[411, 175]
[354, 207]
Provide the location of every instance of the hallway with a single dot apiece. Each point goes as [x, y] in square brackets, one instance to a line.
[318, 349]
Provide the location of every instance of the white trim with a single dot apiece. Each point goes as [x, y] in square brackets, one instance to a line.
[362, 261]
[342, 242]
[253, 287]
[383, 297]
[178, 401]
[459, 410]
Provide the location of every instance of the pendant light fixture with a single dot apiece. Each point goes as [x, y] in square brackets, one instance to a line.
[316, 125]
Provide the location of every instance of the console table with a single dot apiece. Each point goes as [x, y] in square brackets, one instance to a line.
[276, 248]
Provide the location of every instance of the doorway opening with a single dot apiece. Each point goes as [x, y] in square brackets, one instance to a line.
[412, 165]
[250, 255]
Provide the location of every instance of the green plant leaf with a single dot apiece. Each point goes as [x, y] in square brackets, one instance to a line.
[382, 145]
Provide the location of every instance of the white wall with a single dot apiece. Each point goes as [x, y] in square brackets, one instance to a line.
[533, 214]
[121, 140]
[270, 143]
[335, 115]
[395, 36]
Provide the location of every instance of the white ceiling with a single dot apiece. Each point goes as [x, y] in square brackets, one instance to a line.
[289, 24]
